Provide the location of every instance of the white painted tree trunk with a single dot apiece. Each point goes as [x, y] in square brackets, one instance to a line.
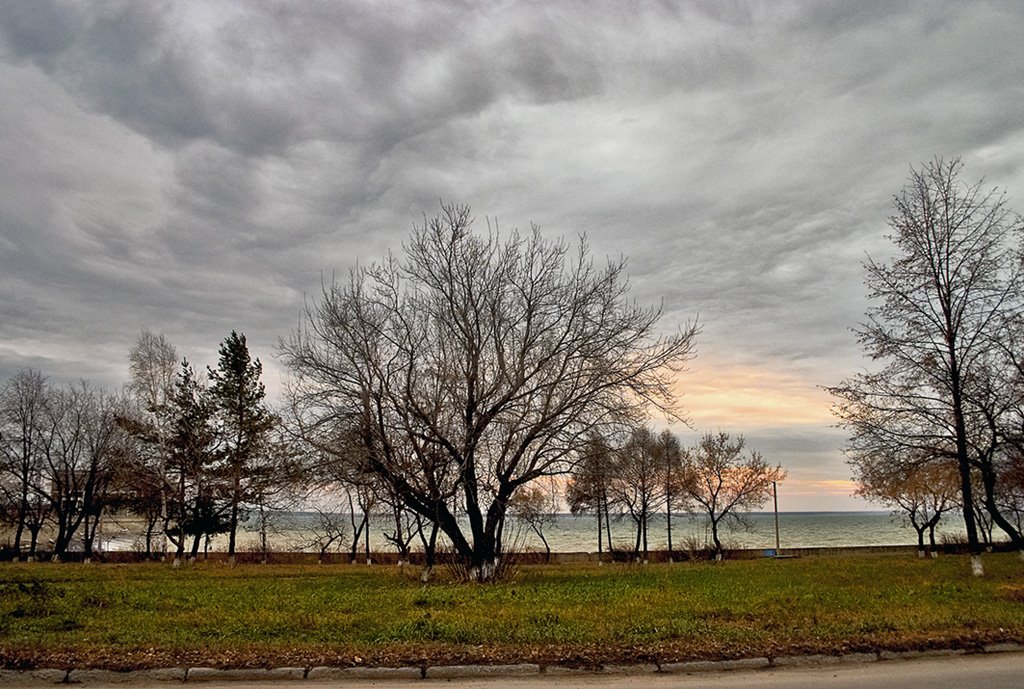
[484, 572]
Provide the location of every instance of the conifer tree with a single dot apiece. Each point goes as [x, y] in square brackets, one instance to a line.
[245, 423]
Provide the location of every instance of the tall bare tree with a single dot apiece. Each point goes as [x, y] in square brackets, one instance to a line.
[670, 459]
[480, 362]
[23, 402]
[153, 367]
[587, 489]
[940, 309]
[638, 483]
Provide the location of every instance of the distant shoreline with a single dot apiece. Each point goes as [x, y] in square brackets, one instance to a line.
[533, 557]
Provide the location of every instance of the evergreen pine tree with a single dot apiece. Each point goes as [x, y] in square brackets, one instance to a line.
[244, 420]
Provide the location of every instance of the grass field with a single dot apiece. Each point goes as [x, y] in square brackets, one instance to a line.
[144, 615]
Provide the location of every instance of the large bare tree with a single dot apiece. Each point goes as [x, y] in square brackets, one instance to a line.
[940, 310]
[479, 363]
[81, 443]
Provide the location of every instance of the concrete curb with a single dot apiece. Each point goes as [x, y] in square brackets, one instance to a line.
[694, 666]
[49, 676]
[343, 673]
[915, 655]
[463, 671]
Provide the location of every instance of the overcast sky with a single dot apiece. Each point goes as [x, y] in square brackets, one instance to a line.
[198, 167]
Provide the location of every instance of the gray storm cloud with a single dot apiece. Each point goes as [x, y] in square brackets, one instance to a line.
[195, 168]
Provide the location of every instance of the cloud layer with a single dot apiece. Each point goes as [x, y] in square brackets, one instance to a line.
[195, 168]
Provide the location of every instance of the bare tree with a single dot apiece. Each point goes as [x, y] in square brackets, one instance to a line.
[941, 307]
[81, 442]
[637, 483]
[534, 506]
[919, 490]
[153, 363]
[588, 488]
[482, 364]
[722, 483]
[23, 402]
[671, 461]
[327, 533]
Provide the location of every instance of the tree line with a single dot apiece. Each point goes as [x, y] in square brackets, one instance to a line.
[186, 453]
[451, 381]
[649, 473]
[191, 454]
[938, 424]
[444, 387]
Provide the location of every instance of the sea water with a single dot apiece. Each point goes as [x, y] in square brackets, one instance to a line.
[571, 533]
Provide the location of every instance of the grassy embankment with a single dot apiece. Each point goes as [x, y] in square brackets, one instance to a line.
[145, 615]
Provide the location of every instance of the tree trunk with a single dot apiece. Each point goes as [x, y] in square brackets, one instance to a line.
[547, 548]
[608, 528]
[988, 480]
[89, 533]
[33, 542]
[668, 521]
[366, 537]
[195, 547]
[963, 463]
[429, 551]
[22, 516]
[644, 520]
[232, 530]
[357, 531]
[714, 537]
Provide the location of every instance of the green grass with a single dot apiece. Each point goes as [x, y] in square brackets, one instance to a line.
[144, 614]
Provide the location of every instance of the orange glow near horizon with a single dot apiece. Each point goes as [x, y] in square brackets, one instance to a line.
[819, 488]
[737, 397]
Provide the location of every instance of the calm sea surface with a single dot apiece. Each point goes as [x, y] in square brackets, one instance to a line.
[569, 533]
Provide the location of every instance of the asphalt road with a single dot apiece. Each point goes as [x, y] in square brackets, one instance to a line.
[990, 671]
